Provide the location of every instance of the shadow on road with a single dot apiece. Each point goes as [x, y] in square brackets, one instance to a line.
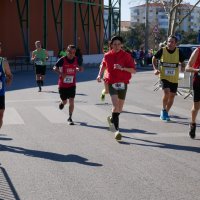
[49, 155]
[7, 190]
[149, 143]
[26, 79]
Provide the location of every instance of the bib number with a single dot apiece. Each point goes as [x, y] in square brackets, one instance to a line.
[38, 62]
[169, 72]
[68, 79]
[118, 86]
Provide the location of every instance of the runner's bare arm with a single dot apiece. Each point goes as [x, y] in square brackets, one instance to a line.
[193, 57]
[8, 73]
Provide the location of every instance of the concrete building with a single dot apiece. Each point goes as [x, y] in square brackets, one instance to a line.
[158, 16]
[125, 26]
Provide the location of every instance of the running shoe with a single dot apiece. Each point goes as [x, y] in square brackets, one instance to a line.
[167, 116]
[118, 135]
[70, 121]
[163, 114]
[192, 130]
[102, 97]
[61, 106]
[110, 124]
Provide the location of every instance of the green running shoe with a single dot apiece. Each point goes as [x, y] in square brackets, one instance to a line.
[118, 135]
[102, 97]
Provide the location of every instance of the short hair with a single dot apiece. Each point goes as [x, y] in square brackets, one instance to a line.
[71, 46]
[116, 38]
[173, 37]
[37, 42]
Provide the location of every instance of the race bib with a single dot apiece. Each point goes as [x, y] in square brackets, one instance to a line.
[118, 86]
[38, 62]
[68, 79]
[169, 72]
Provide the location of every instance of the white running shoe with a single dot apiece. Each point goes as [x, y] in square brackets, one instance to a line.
[110, 124]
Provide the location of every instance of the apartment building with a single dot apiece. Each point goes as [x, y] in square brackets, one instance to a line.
[158, 16]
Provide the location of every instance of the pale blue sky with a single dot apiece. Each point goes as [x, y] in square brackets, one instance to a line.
[125, 12]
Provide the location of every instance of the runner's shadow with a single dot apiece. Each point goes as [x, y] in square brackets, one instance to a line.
[92, 126]
[49, 91]
[49, 155]
[137, 131]
[149, 143]
[3, 137]
[145, 114]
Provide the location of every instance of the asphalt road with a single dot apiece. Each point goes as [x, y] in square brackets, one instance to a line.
[43, 158]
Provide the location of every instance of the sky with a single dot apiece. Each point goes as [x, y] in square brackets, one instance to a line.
[125, 5]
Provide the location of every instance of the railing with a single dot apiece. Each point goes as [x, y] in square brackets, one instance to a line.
[24, 63]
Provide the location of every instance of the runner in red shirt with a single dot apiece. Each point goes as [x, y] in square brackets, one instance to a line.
[120, 66]
[194, 66]
[67, 67]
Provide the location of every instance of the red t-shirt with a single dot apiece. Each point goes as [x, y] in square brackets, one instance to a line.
[115, 75]
[196, 78]
[69, 69]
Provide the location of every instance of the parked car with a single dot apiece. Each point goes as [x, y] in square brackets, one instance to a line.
[187, 49]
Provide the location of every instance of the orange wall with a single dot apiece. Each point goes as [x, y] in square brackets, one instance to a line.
[11, 35]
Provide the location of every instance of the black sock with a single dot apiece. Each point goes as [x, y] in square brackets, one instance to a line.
[70, 115]
[115, 119]
[38, 83]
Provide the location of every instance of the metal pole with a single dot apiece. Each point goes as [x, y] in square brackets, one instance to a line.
[45, 25]
[75, 24]
[147, 28]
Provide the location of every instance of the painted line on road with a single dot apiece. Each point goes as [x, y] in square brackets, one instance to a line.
[52, 114]
[154, 117]
[11, 116]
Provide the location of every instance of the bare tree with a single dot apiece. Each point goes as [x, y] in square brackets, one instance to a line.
[171, 8]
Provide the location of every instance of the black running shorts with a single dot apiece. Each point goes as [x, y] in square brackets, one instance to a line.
[196, 91]
[169, 85]
[2, 102]
[40, 69]
[66, 93]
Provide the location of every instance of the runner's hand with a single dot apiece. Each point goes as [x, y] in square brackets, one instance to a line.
[99, 79]
[156, 72]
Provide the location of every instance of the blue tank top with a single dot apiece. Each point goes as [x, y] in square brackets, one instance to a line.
[2, 78]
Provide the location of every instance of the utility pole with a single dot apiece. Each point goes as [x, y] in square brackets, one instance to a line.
[146, 28]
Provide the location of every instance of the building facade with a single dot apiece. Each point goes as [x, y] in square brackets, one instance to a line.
[158, 16]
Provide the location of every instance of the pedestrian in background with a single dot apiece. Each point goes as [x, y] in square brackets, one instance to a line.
[194, 67]
[62, 53]
[5, 79]
[39, 57]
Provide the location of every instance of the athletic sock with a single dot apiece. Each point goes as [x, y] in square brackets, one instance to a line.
[38, 83]
[115, 119]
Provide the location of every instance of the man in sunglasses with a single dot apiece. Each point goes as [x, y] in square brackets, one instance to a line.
[66, 67]
[5, 79]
